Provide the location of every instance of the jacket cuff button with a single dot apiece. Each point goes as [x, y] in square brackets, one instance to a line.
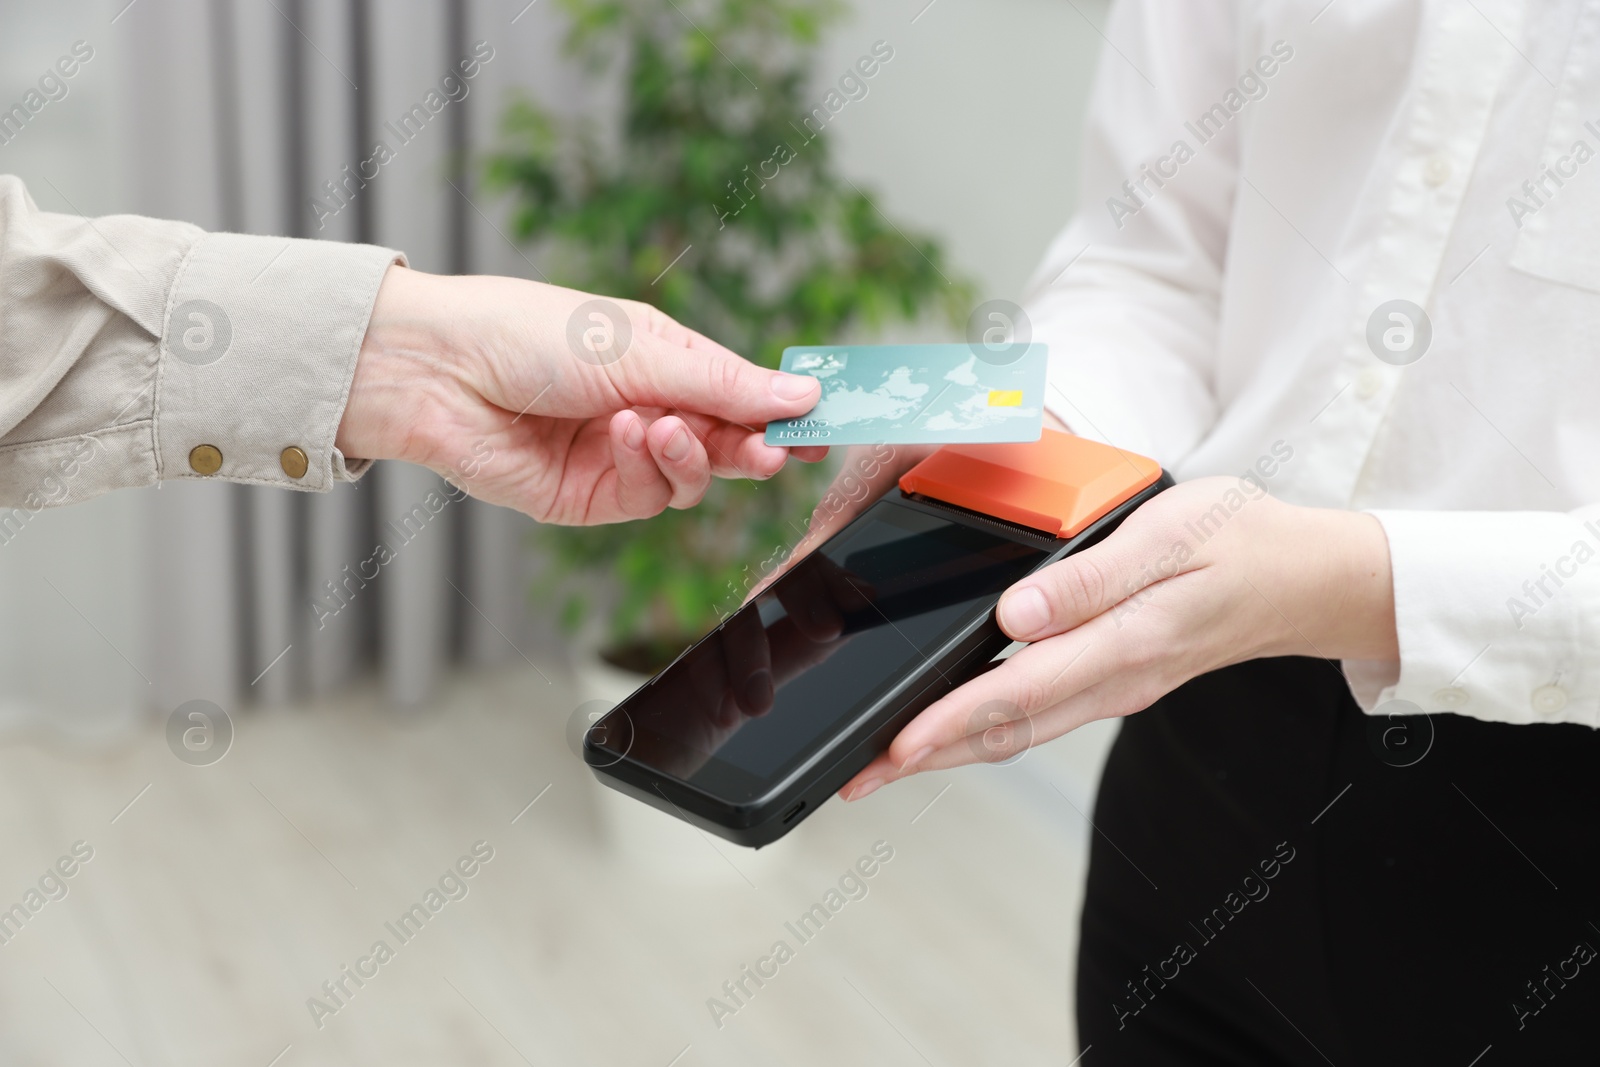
[205, 459]
[294, 462]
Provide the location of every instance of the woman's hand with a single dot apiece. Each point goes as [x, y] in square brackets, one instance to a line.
[573, 409]
[1208, 573]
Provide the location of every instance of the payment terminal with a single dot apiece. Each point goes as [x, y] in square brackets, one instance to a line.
[758, 723]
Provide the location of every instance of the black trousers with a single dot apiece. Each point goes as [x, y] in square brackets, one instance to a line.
[1277, 878]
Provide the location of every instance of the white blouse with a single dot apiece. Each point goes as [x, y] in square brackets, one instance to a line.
[1263, 181]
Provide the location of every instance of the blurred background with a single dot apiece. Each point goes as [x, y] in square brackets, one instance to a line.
[372, 749]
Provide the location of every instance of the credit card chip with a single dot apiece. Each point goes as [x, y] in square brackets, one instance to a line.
[1005, 398]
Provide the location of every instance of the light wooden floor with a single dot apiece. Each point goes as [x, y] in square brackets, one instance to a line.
[224, 896]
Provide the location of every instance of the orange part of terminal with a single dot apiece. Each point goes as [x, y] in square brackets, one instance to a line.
[1059, 484]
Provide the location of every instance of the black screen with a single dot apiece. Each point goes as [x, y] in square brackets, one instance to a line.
[839, 630]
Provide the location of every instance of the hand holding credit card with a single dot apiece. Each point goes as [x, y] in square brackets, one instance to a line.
[917, 394]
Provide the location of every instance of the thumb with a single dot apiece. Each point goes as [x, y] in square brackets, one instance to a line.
[1089, 583]
[715, 384]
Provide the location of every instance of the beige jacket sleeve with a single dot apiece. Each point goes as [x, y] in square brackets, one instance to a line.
[134, 351]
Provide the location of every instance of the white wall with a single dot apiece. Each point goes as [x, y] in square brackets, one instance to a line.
[971, 131]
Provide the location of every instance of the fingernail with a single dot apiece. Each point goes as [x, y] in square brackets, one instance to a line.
[633, 436]
[870, 785]
[677, 446]
[793, 386]
[1023, 612]
[911, 764]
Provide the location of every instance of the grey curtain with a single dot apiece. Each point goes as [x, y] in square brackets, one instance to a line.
[242, 110]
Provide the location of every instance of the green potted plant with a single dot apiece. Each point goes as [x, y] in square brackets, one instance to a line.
[718, 203]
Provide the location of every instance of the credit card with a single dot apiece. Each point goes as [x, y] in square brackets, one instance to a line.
[917, 394]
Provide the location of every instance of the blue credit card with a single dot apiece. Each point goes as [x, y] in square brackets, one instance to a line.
[918, 394]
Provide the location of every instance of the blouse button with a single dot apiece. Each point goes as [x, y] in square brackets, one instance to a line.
[1549, 699]
[1437, 171]
[1450, 697]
